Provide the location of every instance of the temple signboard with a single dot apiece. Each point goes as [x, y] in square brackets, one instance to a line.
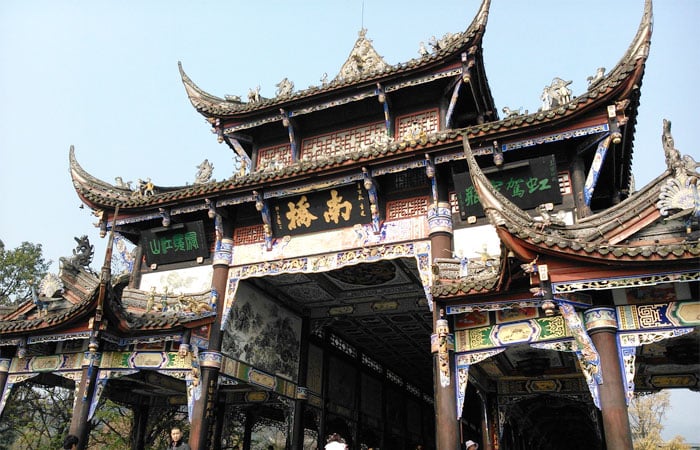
[177, 243]
[323, 210]
[527, 185]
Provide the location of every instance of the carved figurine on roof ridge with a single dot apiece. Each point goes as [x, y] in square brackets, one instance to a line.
[510, 113]
[50, 289]
[422, 50]
[679, 193]
[443, 42]
[363, 59]
[599, 74]
[204, 172]
[145, 189]
[556, 94]
[121, 184]
[254, 95]
[82, 256]
[285, 88]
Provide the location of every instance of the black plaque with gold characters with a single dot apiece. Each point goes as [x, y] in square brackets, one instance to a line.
[323, 210]
[527, 184]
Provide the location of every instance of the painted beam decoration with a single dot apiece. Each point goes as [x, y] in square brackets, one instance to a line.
[528, 186]
[658, 316]
[533, 330]
[646, 324]
[324, 210]
[179, 242]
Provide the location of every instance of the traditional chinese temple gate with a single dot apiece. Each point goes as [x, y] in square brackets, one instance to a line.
[390, 261]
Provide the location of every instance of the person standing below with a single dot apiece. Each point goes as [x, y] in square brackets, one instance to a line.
[335, 442]
[471, 445]
[177, 442]
[71, 442]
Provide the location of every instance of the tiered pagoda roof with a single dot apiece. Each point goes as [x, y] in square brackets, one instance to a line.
[611, 101]
[618, 87]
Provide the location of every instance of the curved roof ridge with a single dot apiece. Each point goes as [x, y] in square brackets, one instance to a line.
[599, 237]
[81, 177]
[212, 106]
[196, 94]
[604, 83]
[90, 188]
[363, 58]
[482, 16]
[638, 48]
[81, 287]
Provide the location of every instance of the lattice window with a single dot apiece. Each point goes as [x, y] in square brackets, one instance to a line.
[248, 235]
[408, 179]
[343, 346]
[372, 364]
[395, 378]
[426, 121]
[275, 156]
[412, 389]
[341, 142]
[410, 207]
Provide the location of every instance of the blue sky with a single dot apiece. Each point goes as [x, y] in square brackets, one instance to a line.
[103, 76]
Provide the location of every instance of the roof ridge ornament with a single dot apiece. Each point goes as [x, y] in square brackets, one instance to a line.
[285, 88]
[363, 59]
[679, 193]
[82, 257]
[556, 94]
[51, 286]
[204, 172]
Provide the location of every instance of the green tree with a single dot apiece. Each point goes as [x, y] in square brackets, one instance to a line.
[39, 411]
[36, 417]
[18, 269]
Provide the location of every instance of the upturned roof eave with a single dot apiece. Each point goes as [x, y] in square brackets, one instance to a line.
[98, 194]
[618, 83]
[214, 107]
[15, 326]
[603, 238]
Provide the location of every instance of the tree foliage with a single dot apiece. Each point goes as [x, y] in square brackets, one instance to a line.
[36, 417]
[18, 269]
[647, 413]
[38, 412]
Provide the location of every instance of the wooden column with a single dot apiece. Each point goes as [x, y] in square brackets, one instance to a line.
[203, 415]
[250, 419]
[578, 181]
[219, 424]
[297, 438]
[91, 358]
[84, 394]
[138, 434]
[601, 324]
[486, 426]
[324, 394]
[446, 425]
